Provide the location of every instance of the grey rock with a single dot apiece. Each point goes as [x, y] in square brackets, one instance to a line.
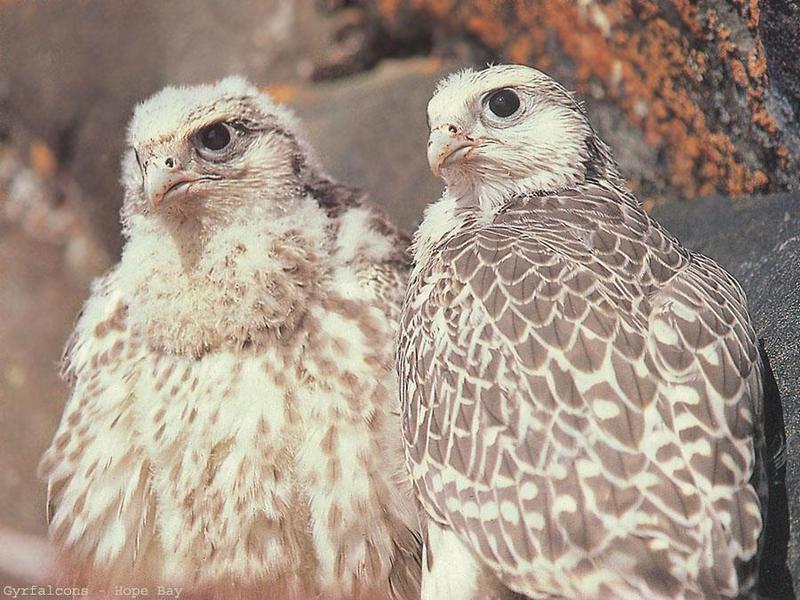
[779, 27]
[371, 131]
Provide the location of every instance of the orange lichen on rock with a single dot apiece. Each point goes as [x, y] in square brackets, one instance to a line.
[282, 92]
[755, 15]
[760, 178]
[700, 160]
[756, 89]
[652, 65]
[579, 38]
[43, 159]
[688, 13]
[723, 36]
[521, 49]
[389, 8]
[739, 73]
[757, 62]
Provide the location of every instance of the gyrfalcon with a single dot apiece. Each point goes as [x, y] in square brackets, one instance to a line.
[233, 425]
[581, 394]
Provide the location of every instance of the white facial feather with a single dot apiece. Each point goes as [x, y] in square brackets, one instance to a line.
[266, 162]
[544, 146]
[439, 219]
[357, 237]
[176, 108]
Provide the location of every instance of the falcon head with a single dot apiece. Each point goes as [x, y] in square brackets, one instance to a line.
[208, 151]
[510, 129]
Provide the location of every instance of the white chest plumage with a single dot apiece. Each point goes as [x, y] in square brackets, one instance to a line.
[275, 463]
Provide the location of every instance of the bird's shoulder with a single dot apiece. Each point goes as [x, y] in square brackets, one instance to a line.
[372, 247]
[102, 329]
[596, 232]
[523, 290]
[700, 322]
[593, 258]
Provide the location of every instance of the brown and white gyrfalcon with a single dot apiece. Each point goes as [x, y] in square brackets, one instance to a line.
[581, 394]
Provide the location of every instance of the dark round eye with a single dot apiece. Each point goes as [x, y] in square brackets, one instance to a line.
[215, 137]
[504, 103]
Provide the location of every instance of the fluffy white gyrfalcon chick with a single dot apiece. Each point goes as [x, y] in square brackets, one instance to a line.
[233, 424]
[580, 394]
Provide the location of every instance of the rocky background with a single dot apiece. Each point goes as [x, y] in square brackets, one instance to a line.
[700, 100]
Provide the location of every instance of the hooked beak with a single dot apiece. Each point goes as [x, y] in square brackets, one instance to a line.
[161, 183]
[446, 147]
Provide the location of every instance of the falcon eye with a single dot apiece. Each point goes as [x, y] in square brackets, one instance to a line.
[504, 103]
[215, 137]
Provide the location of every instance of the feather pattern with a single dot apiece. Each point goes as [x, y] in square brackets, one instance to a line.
[581, 399]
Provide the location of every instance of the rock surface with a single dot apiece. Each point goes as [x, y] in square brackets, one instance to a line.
[38, 304]
[372, 133]
[695, 97]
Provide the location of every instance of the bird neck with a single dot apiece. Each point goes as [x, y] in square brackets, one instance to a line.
[240, 285]
[191, 234]
[444, 219]
[487, 195]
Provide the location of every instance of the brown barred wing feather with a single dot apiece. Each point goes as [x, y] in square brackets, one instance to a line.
[579, 398]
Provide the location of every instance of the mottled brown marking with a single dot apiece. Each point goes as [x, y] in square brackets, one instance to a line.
[334, 469]
[328, 444]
